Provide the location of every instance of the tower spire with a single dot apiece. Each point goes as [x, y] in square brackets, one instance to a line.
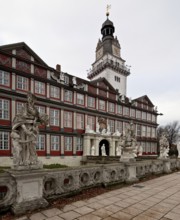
[107, 10]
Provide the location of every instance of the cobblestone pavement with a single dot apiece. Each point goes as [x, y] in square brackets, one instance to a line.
[155, 199]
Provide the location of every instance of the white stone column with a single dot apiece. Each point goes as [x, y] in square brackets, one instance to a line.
[62, 94]
[86, 101]
[108, 92]
[32, 68]
[32, 85]
[48, 90]
[74, 121]
[13, 81]
[86, 150]
[97, 103]
[74, 97]
[97, 88]
[48, 144]
[74, 145]
[96, 146]
[14, 63]
[48, 113]
[62, 145]
[85, 120]
[62, 120]
[107, 106]
[113, 147]
[13, 109]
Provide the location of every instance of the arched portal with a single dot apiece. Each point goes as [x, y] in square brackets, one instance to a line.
[106, 143]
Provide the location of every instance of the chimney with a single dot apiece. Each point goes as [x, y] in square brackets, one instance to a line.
[58, 68]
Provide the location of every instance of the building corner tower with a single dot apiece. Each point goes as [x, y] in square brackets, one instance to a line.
[108, 62]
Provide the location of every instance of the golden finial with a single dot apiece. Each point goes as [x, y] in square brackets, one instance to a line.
[107, 10]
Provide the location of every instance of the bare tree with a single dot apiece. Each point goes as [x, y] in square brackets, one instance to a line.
[172, 131]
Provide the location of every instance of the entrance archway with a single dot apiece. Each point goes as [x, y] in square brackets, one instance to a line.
[106, 143]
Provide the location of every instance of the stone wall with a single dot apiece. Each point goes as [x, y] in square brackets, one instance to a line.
[61, 182]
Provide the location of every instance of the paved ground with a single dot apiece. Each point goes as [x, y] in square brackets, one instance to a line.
[155, 199]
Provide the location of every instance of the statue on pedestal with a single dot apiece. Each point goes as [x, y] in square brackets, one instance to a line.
[140, 150]
[24, 135]
[93, 151]
[118, 150]
[103, 150]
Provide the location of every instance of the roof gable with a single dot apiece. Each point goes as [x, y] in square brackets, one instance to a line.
[103, 83]
[24, 51]
[144, 99]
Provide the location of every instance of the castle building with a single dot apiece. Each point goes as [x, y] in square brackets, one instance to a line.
[76, 107]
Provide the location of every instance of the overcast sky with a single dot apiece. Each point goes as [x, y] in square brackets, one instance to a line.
[66, 32]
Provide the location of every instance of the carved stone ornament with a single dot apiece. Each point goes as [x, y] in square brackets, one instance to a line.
[24, 135]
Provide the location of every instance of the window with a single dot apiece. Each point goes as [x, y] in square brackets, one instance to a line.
[111, 125]
[54, 92]
[91, 122]
[54, 143]
[111, 107]
[4, 78]
[119, 109]
[117, 79]
[4, 109]
[68, 143]
[148, 116]
[148, 131]
[138, 130]
[102, 105]
[153, 135]
[80, 99]
[80, 121]
[153, 118]
[126, 111]
[19, 107]
[148, 147]
[54, 117]
[66, 79]
[79, 144]
[133, 113]
[143, 131]
[22, 83]
[67, 119]
[40, 142]
[39, 88]
[119, 126]
[144, 115]
[68, 96]
[91, 102]
[4, 140]
[138, 114]
[41, 109]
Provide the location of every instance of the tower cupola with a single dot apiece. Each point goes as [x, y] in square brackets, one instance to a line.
[107, 30]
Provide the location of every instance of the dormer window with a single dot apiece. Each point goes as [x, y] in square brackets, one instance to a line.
[66, 79]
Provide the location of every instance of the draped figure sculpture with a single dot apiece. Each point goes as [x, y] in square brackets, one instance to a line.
[24, 134]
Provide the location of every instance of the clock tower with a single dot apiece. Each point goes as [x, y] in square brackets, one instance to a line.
[108, 63]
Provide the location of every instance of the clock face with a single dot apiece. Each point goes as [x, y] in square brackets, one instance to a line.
[99, 53]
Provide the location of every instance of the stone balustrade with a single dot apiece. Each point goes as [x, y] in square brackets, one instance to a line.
[60, 182]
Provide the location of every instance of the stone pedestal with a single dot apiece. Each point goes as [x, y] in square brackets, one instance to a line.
[131, 172]
[29, 194]
[166, 166]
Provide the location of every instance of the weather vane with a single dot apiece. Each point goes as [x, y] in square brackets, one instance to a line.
[107, 10]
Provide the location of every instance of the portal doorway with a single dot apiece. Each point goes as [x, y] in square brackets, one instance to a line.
[106, 143]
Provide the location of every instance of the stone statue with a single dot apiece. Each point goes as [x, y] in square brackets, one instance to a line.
[103, 150]
[164, 146]
[74, 81]
[117, 133]
[93, 151]
[24, 135]
[135, 151]
[178, 149]
[103, 131]
[97, 127]
[118, 150]
[140, 150]
[108, 130]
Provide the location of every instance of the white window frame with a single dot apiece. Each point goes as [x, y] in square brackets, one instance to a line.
[119, 109]
[138, 114]
[41, 109]
[54, 117]
[68, 143]
[4, 109]
[119, 126]
[22, 83]
[66, 79]
[55, 143]
[91, 122]
[91, 102]
[111, 125]
[126, 111]
[80, 99]
[54, 92]
[111, 107]
[80, 121]
[68, 119]
[68, 96]
[4, 78]
[133, 113]
[79, 144]
[143, 131]
[4, 140]
[40, 88]
[102, 105]
[138, 130]
[40, 146]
